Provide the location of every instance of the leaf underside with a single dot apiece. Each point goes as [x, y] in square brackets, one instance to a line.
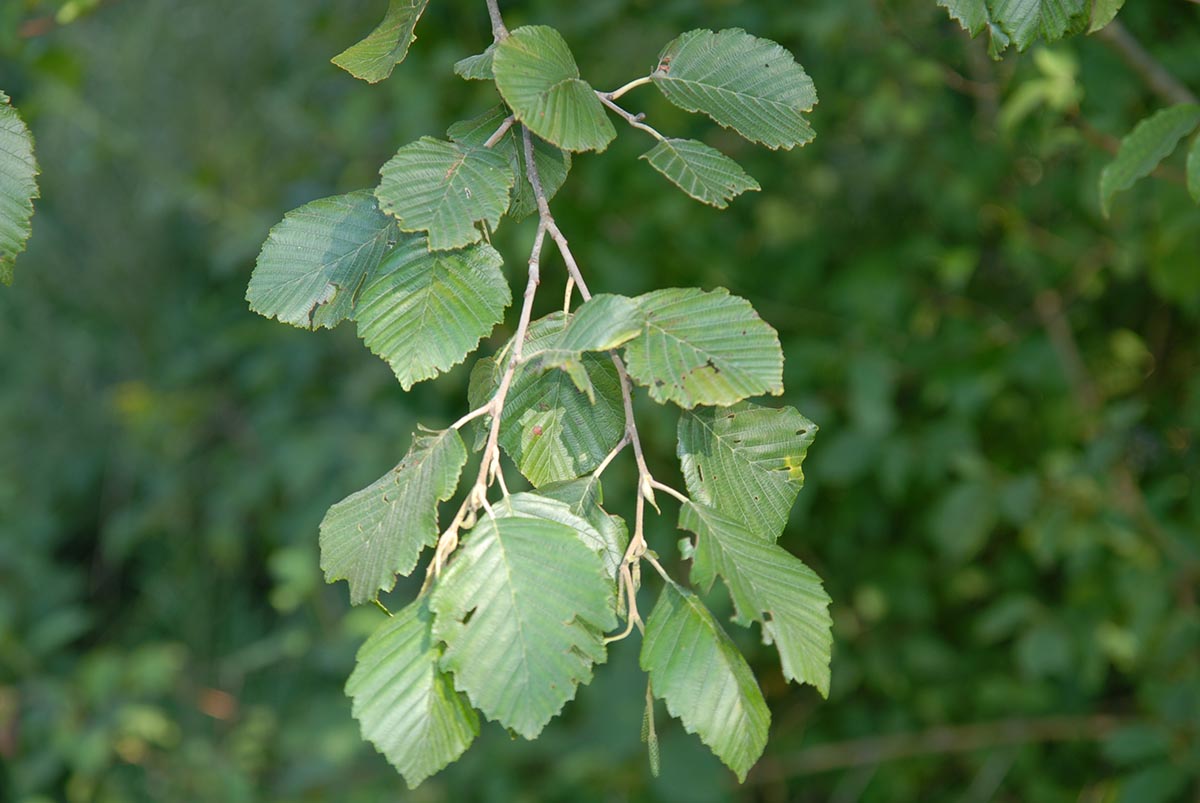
[374, 58]
[373, 535]
[18, 186]
[522, 609]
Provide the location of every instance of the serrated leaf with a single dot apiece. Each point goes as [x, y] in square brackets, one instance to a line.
[580, 436]
[477, 67]
[315, 260]
[373, 58]
[539, 80]
[1023, 22]
[696, 669]
[746, 461]
[405, 703]
[373, 535]
[769, 586]
[1103, 12]
[1193, 170]
[603, 538]
[552, 163]
[702, 172]
[1144, 148]
[424, 312]
[522, 608]
[18, 186]
[602, 323]
[444, 189]
[702, 347]
[751, 85]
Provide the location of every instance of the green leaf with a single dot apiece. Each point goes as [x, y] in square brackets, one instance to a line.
[1151, 141]
[477, 67]
[18, 186]
[705, 681]
[445, 189]
[751, 85]
[373, 58]
[746, 461]
[539, 80]
[604, 539]
[576, 435]
[702, 347]
[424, 312]
[600, 324]
[521, 608]
[769, 586]
[405, 703]
[1193, 170]
[702, 172]
[584, 496]
[373, 535]
[1103, 12]
[1024, 22]
[552, 163]
[315, 260]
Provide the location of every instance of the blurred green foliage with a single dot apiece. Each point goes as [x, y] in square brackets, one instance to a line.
[1003, 500]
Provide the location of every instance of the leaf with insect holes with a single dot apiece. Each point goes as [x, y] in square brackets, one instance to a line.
[405, 703]
[552, 163]
[769, 586]
[522, 608]
[539, 80]
[425, 312]
[18, 186]
[702, 172]
[373, 535]
[746, 461]
[316, 259]
[751, 85]
[549, 427]
[700, 347]
[444, 189]
[1144, 148]
[705, 681]
[374, 58]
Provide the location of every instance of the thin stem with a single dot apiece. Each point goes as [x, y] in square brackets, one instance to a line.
[499, 32]
[658, 567]
[668, 490]
[634, 84]
[632, 618]
[634, 120]
[567, 294]
[499, 133]
[620, 447]
[471, 416]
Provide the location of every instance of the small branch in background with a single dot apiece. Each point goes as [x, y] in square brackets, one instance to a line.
[1164, 84]
[499, 31]
[935, 742]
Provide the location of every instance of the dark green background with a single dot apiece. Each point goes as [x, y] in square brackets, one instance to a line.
[1003, 501]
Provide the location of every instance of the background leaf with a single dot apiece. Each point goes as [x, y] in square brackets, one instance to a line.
[749, 84]
[405, 703]
[702, 172]
[1193, 170]
[746, 461]
[425, 312]
[373, 58]
[769, 586]
[704, 680]
[18, 186]
[373, 535]
[522, 608]
[1151, 141]
[1023, 22]
[441, 188]
[316, 259]
[539, 80]
[704, 348]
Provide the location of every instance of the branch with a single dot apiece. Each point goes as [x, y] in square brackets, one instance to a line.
[499, 32]
[1164, 84]
[634, 120]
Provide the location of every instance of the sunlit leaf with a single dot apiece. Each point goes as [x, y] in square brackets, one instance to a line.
[373, 535]
[705, 681]
[600, 533]
[1144, 148]
[539, 80]
[424, 312]
[18, 186]
[746, 461]
[522, 608]
[373, 58]
[769, 586]
[702, 172]
[700, 347]
[405, 703]
[751, 85]
[444, 189]
[315, 260]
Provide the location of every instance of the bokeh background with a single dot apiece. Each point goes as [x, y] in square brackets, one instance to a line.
[1004, 498]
